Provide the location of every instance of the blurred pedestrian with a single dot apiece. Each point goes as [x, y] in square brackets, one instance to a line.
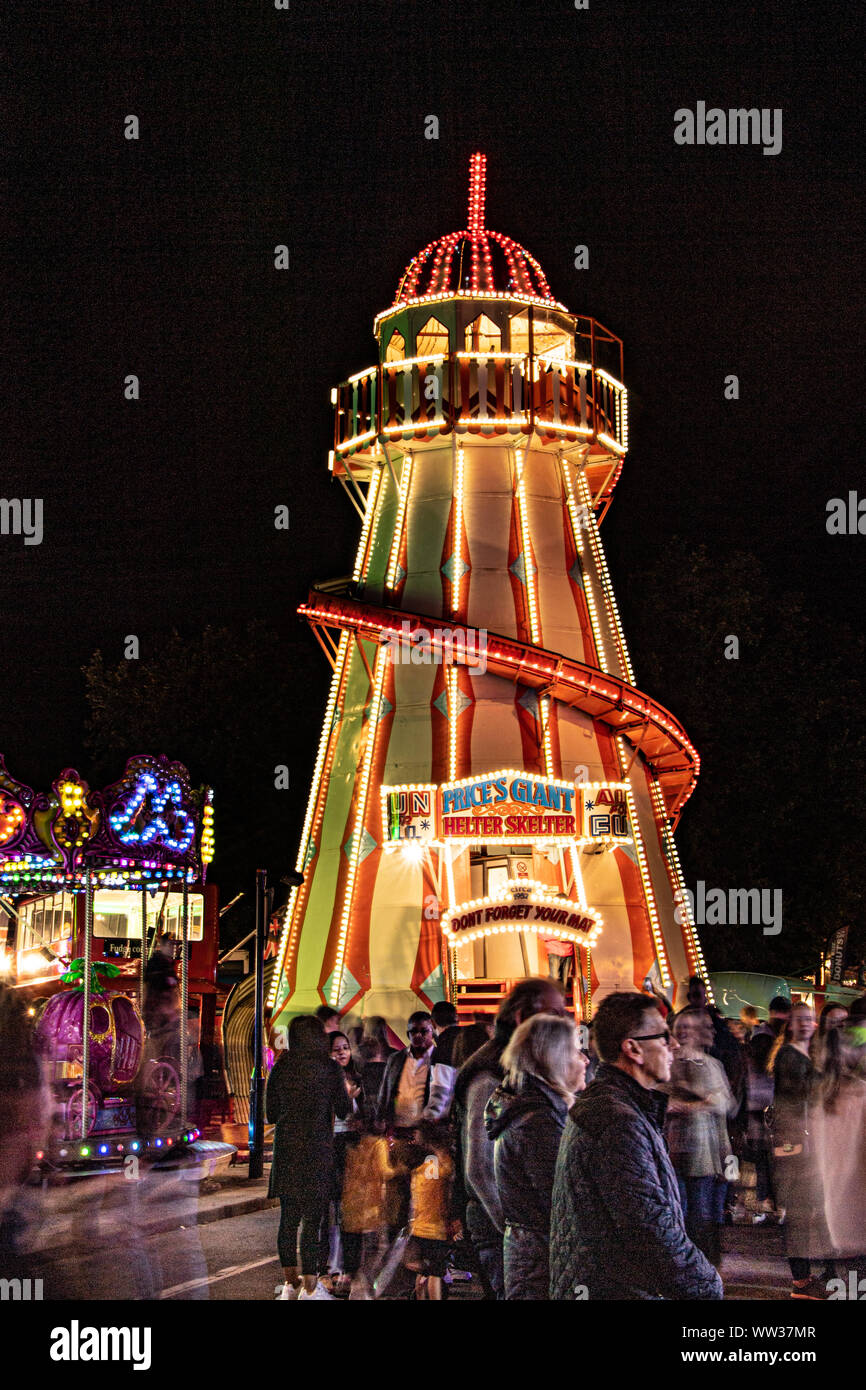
[403, 1096]
[344, 1251]
[444, 1067]
[430, 1215]
[725, 1047]
[838, 1123]
[376, 1030]
[371, 1069]
[593, 1061]
[759, 1090]
[478, 1196]
[696, 1132]
[25, 1125]
[832, 1016]
[857, 1011]
[560, 961]
[363, 1220]
[795, 1174]
[617, 1228]
[469, 1039]
[329, 1018]
[544, 1069]
[306, 1090]
[161, 1003]
[780, 1011]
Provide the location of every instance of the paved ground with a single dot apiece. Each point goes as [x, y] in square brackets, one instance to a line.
[172, 1235]
[241, 1263]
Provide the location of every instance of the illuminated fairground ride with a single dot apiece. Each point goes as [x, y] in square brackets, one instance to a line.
[88, 881]
[491, 786]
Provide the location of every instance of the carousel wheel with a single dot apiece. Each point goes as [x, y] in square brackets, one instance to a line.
[74, 1107]
[159, 1096]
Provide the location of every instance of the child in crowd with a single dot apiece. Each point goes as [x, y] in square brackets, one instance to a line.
[367, 1172]
[430, 1220]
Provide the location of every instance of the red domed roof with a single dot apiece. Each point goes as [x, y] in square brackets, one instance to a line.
[476, 260]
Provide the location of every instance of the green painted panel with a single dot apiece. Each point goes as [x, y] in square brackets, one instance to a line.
[333, 832]
[385, 521]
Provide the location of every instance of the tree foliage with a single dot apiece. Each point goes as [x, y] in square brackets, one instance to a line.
[779, 801]
[230, 704]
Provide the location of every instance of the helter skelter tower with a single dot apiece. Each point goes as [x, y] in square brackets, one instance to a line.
[488, 775]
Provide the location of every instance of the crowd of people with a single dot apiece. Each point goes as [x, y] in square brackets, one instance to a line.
[549, 1169]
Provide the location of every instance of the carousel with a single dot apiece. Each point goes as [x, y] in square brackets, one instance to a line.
[103, 892]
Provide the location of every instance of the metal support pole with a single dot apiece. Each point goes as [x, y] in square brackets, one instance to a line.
[257, 1088]
[143, 962]
[85, 1017]
[184, 1003]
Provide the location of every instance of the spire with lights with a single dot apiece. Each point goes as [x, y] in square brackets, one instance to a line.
[475, 260]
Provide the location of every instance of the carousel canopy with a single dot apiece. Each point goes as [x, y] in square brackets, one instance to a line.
[146, 830]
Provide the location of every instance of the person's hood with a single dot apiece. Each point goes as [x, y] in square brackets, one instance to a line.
[487, 1060]
[508, 1104]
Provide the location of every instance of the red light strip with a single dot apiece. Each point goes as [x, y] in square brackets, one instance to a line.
[579, 677]
[519, 260]
[477, 192]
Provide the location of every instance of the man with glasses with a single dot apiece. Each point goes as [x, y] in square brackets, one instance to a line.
[617, 1229]
[405, 1088]
[403, 1095]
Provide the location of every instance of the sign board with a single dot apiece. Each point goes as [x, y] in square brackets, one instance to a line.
[604, 813]
[527, 906]
[507, 806]
[409, 814]
[838, 941]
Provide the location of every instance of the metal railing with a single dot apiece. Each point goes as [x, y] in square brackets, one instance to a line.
[481, 393]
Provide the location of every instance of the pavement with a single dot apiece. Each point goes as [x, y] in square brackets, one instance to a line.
[158, 1202]
[187, 1232]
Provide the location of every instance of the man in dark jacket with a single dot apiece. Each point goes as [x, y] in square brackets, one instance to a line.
[476, 1082]
[443, 1072]
[617, 1229]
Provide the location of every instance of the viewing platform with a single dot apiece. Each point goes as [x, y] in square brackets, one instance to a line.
[567, 404]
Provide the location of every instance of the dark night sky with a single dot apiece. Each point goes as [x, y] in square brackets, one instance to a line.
[260, 127]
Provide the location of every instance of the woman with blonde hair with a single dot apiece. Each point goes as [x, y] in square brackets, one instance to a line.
[525, 1116]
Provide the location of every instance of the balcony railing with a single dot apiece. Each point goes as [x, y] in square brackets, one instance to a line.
[482, 394]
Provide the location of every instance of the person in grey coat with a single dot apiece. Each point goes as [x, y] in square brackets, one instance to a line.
[617, 1229]
[525, 1117]
[477, 1194]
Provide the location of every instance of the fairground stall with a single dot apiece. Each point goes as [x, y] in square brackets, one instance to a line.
[94, 884]
[493, 796]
